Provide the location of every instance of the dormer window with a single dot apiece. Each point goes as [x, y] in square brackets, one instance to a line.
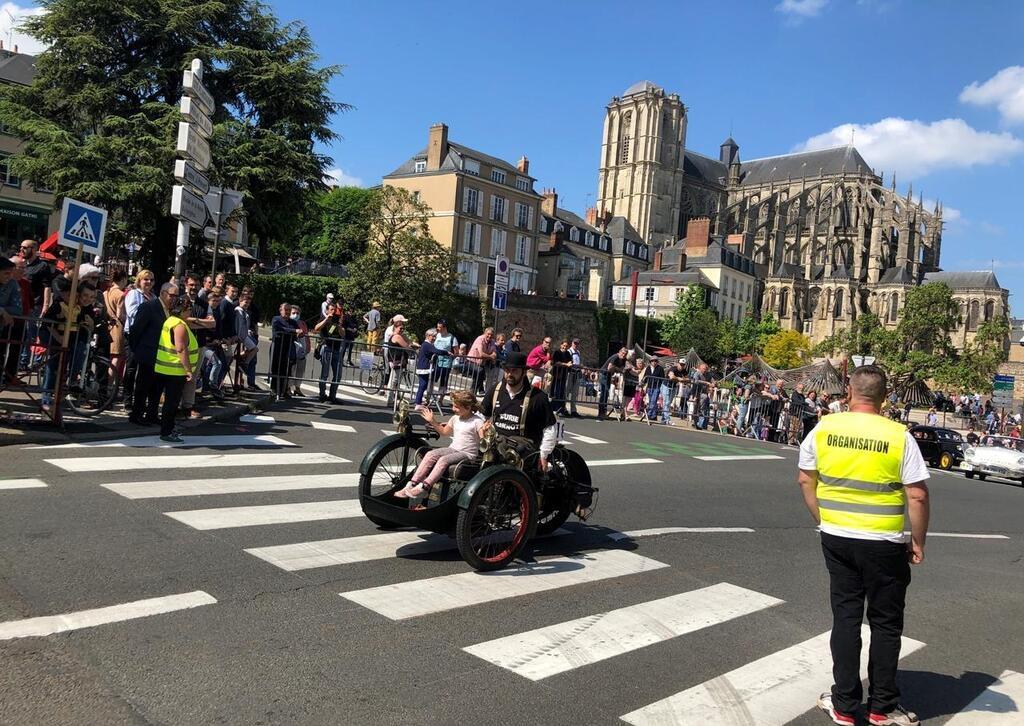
[421, 166]
[497, 175]
[574, 235]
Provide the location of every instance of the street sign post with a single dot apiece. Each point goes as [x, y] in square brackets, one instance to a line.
[221, 202]
[1002, 391]
[499, 300]
[82, 226]
[193, 149]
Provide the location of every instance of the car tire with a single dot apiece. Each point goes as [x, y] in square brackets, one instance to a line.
[969, 474]
[945, 461]
[983, 477]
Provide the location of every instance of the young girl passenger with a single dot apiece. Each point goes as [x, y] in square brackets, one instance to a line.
[464, 428]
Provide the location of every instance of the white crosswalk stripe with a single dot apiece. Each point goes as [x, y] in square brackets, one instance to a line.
[576, 643]
[196, 488]
[256, 418]
[423, 597]
[584, 439]
[998, 705]
[192, 461]
[21, 483]
[770, 691]
[235, 442]
[620, 462]
[340, 428]
[50, 624]
[349, 550]
[226, 517]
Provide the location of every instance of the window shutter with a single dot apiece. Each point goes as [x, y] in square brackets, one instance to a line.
[479, 209]
[504, 214]
[529, 219]
[476, 239]
[526, 250]
[465, 199]
[467, 236]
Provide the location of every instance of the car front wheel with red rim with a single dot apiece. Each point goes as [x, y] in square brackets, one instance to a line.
[499, 521]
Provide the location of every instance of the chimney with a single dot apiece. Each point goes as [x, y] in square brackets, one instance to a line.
[548, 199]
[596, 219]
[657, 261]
[523, 165]
[682, 260]
[437, 147]
[698, 230]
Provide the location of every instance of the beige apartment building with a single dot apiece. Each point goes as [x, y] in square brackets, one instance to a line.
[25, 211]
[482, 207]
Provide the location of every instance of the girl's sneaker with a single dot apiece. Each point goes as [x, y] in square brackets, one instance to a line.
[414, 491]
[825, 704]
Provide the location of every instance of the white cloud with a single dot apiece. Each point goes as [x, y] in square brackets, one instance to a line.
[949, 214]
[915, 148]
[11, 17]
[800, 9]
[1004, 90]
[338, 177]
[994, 230]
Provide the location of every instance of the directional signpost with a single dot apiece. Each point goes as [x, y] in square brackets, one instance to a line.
[1002, 391]
[499, 300]
[193, 150]
[221, 203]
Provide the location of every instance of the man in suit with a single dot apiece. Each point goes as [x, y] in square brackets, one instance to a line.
[143, 337]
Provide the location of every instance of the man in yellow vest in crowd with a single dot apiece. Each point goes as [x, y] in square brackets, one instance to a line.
[860, 473]
[177, 355]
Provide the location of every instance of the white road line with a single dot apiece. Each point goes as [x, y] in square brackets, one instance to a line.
[190, 488]
[225, 517]
[21, 483]
[962, 535]
[256, 418]
[315, 391]
[584, 439]
[740, 457]
[998, 705]
[190, 442]
[349, 550]
[388, 432]
[192, 461]
[545, 652]
[633, 534]
[621, 462]
[437, 594]
[777, 688]
[50, 624]
[324, 426]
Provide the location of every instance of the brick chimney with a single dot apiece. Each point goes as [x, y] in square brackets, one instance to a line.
[548, 201]
[682, 260]
[698, 231]
[523, 165]
[437, 147]
[657, 261]
[596, 219]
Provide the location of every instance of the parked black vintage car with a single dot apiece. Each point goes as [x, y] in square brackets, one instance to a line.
[940, 447]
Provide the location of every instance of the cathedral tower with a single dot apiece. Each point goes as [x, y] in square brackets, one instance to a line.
[641, 174]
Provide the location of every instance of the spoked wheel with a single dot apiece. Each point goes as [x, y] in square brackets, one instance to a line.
[498, 522]
[557, 506]
[945, 461]
[94, 397]
[389, 470]
[372, 380]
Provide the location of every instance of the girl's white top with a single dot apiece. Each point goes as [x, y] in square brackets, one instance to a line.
[466, 433]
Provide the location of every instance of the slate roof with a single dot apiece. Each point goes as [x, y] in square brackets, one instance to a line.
[704, 168]
[805, 163]
[620, 228]
[653, 278]
[574, 220]
[896, 276]
[640, 87]
[454, 161]
[980, 279]
[17, 68]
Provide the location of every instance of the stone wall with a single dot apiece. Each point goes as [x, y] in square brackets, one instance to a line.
[560, 318]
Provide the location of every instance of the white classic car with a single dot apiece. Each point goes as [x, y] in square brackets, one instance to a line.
[1000, 456]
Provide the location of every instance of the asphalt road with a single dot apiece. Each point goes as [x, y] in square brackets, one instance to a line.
[278, 643]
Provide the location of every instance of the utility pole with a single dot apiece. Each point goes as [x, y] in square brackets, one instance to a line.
[635, 281]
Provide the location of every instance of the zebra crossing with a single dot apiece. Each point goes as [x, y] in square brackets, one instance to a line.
[772, 689]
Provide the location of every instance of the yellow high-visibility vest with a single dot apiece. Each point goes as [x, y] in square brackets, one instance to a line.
[859, 461]
[167, 361]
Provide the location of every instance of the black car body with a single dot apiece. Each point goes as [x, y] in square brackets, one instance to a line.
[940, 447]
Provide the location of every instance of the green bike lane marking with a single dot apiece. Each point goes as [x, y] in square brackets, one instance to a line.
[667, 448]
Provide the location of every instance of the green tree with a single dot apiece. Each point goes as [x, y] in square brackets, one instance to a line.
[973, 368]
[692, 325]
[339, 231]
[753, 333]
[863, 337]
[727, 337]
[100, 118]
[395, 217]
[787, 349]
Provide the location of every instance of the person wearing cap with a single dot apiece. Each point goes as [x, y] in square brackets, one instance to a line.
[514, 408]
[447, 345]
[177, 356]
[327, 301]
[372, 320]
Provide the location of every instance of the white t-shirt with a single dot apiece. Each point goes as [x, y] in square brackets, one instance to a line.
[835, 407]
[912, 470]
[466, 433]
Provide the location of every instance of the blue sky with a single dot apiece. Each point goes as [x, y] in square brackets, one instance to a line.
[932, 90]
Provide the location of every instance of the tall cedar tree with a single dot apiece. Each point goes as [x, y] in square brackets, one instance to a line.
[100, 119]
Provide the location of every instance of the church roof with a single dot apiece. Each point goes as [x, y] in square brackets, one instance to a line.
[976, 280]
[17, 68]
[730, 142]
[704, 168]
[896, 276]
[640, 87]
[805, 163]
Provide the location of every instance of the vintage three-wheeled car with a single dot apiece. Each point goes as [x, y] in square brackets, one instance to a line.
[492, 505]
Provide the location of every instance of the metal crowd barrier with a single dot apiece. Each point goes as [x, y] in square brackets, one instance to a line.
[33, 364]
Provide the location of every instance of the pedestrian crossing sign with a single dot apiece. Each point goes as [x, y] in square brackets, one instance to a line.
[82, 226]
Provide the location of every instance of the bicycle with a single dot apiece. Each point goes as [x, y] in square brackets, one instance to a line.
[98, 384]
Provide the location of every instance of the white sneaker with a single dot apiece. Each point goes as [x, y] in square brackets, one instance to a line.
[414, 491]
[404, 493]
[899, 716]
[825, 704]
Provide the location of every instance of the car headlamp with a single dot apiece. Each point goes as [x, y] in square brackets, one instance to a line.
[1020, 461]
[969, 453]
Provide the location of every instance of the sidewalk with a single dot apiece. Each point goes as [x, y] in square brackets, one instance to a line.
[18, 426]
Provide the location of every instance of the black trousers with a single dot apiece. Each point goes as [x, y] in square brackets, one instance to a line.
[280, 367]
[171, 387]
[877, 573]
[10, 353]
[146, 400]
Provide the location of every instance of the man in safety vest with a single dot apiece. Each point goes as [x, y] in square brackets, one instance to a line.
[860, 473]
[177, 356]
